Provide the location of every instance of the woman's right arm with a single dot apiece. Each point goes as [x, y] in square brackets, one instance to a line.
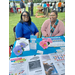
[18, 30]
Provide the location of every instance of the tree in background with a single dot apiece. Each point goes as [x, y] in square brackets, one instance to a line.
[34, 1]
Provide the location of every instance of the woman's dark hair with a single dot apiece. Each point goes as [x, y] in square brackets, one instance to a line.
[44, 2]
[55, 12]
[29, 21]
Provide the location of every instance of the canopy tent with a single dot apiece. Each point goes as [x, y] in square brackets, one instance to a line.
[52, 0]
[47, 0]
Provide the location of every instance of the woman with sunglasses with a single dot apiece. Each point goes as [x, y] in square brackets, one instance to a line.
[25, 27]
[53, 26]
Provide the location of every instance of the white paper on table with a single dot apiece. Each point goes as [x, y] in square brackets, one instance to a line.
[33, 46]
[60, 65]
[56, 44]
[27, 48]
[62, 48]
[35, 66]
[46, 60]
[18, 66]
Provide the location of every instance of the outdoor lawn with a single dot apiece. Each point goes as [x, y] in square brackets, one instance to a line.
[14, 18]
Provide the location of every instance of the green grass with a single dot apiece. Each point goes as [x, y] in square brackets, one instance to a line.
[15, 18]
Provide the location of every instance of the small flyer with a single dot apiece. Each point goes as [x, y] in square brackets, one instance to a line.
[59, 61]
[35, 66]
[18, 66]
[23, 41]
[49, 66]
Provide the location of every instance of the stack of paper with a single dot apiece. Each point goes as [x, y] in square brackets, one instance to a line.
[57, 44]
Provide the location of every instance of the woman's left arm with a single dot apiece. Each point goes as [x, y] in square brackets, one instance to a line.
[37, 34]
[61, 29]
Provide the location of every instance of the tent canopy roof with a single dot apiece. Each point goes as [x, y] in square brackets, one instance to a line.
[52, 0]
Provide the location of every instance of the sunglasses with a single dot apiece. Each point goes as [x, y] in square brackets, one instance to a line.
[52, 15]
[25, 15]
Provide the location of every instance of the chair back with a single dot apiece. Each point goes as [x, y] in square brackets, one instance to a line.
[14, 29]
[14, 32]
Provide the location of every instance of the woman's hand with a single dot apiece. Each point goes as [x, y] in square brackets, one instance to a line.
[20, 38]
[37, 34]
[46, 35]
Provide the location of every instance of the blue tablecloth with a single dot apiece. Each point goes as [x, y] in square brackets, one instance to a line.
[34, 52]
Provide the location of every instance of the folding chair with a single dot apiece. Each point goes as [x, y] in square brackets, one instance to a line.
[14, 32]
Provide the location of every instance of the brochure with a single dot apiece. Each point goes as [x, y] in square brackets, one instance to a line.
[35, 66]
[59, 61]
[49, 66]
[57, 42]
[25, 41]
[18, 66]
[33, 44]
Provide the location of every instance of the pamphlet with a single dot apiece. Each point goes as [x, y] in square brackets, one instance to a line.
[49, 66]
[25, 41]
[35, 66]
[57, 42]
[59, 62]
[33, 44]
[18, 66]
